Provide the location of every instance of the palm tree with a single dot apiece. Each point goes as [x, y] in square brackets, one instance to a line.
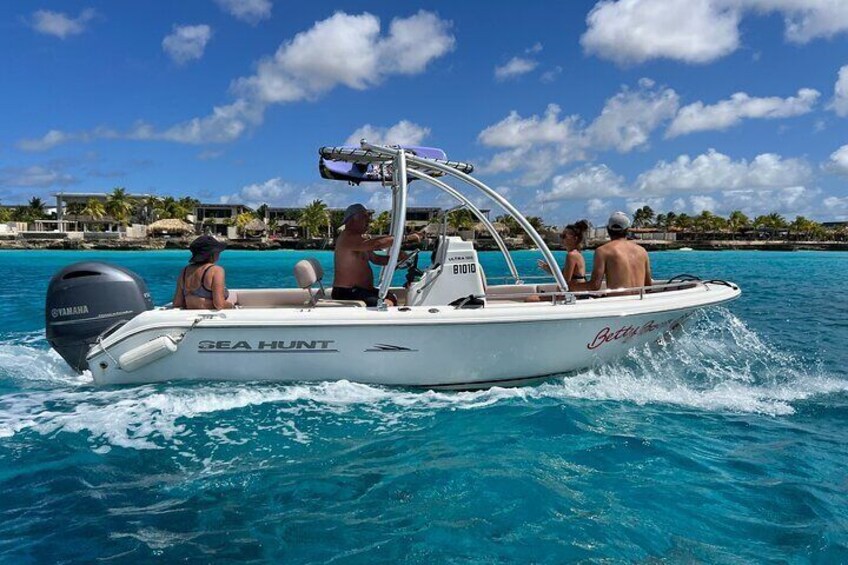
[462, 219]
[36, 208]
[94, 208]
[803, 226]
[670, 220]
[74, 209]
[261, 212]
[738, 221]
[273, 226]
[683, 221]
[536, 222]
[510, 223]
[336, 217]
[381, 223]
[119, 205]
[169, 208]
[187, 206]
[660, 222]
[146, 209]
[772, 221]
[314, 217]
[242, 220]
[643, 217]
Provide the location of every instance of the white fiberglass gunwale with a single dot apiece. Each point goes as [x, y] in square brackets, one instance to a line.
[495, 313]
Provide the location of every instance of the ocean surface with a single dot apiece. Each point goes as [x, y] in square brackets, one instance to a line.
[727, 445]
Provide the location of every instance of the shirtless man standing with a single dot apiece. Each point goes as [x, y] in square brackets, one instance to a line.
[623, 263]
[354, 279]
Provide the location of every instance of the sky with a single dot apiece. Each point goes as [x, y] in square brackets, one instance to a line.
[570, 109]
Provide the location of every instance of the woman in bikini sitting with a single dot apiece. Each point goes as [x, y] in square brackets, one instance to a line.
[574, 270]
[201, 285]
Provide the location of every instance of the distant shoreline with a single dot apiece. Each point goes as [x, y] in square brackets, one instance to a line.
[301, 245]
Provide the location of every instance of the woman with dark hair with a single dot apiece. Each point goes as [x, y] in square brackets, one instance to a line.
[201, 285]
[573, 240]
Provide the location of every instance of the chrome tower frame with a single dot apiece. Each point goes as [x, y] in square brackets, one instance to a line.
[404, 165]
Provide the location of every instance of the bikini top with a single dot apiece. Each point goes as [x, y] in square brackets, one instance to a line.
[202, 291]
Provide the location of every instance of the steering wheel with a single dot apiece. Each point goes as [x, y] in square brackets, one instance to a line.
[413, 273]
[410, 261]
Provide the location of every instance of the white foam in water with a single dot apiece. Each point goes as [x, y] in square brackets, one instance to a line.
[716, 364]
[27, 365]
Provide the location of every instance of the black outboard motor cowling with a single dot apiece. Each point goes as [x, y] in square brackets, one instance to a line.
[86, 299]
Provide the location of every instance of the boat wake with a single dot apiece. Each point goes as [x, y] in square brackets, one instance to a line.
[716, 364]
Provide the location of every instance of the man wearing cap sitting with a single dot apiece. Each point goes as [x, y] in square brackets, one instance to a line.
[354, 254]
[623, 263]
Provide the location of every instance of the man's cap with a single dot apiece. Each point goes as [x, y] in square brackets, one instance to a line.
[352, 211]
[204, 248]
[618, 221]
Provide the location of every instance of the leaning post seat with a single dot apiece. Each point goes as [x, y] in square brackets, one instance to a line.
[307, 273]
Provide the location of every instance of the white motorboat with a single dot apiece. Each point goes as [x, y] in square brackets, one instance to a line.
[453, 328]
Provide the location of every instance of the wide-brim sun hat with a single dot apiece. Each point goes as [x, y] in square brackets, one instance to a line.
[352, 211]
[204, 248]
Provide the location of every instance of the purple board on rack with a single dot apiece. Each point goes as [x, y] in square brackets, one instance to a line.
[371, 172]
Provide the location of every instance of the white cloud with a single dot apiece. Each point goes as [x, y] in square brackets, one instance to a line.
[837, 207]
[515, 67]
[698, 31]
[535, 144]
[701, 203]
[629, 117]
[551, 75]
[49, 140]
[402, 133]
[635, 31]
[274, 192]
[840, 93]
[632, 204]
[791, 200]
[250, 11]
[727, 113]
[596, 181]
[349, 51]
[515, 131]
[61, 25]
[224, 124]
[596, 207]
[342, 50]
[714, 171]
[279, 192]
[56, 137]
[34, 176]
[838, 162]
[187, 43]
[804, 20]
[539, 144]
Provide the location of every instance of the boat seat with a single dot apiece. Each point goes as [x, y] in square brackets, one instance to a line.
[511, 289]
[272, 297]
[309, 272]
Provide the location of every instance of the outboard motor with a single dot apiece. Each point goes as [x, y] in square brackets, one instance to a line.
[86, 299]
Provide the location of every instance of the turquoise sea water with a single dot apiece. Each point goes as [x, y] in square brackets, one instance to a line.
[728, 445]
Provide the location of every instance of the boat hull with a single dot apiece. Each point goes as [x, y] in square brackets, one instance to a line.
[451, 349]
